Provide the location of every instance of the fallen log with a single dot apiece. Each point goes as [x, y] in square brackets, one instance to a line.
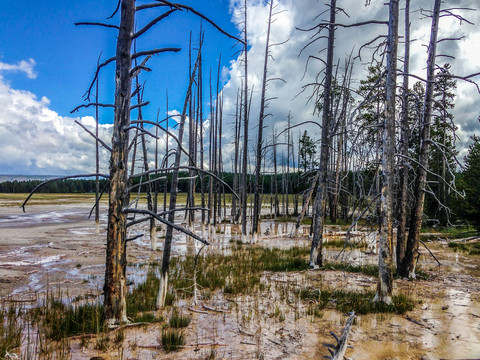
[337, 352]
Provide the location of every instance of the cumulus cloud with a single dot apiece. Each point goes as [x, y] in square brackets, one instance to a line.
[36, 140]
[25, 66]
[288, 61]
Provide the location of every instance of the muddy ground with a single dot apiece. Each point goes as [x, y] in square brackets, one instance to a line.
[54, 246]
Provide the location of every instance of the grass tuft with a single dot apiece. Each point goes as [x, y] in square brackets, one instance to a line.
[10, 331]
[179, 320]
[361, 302]
[470, 248]
[143, 298]
[172, 339]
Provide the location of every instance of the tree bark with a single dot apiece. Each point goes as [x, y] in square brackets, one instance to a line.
[316, 256]
[173, 198]
[245, 134]
[257, 204]
[403, 187]
[385, 277]
[115, 279]
[408, 265]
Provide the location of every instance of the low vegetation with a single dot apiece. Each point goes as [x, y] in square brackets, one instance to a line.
[470, 248]
[360, 302]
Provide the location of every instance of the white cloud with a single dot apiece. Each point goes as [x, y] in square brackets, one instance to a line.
[36, 140]
[26, 66]
[288, 65]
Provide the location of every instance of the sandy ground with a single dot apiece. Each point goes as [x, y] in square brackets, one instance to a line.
[56, 245]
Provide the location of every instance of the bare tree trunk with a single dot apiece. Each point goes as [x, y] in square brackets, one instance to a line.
[116, 261]
[316, 256]
[276, 203]
[244, 193]
[173, 197]
[166, 161]
[403, 187]
[257, 204]
[305, 204]
[153, 228]
[191, 149]
[236, 154]
[385, 277]
[288, 164]
[97, 165]
[408, 266]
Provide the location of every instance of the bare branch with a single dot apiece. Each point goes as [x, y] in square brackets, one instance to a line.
[133, 187]
[165, 130]
[153, 52]
[188, 8]
[136, 70]
[97, 24]
[135, 222]
[153, 171]
[136, 106]
[94, 136]
[152, 23]
[134, 238]
[57, 179]
[116, 9]
[91, 104]
[451, 39]
[106, 62]
[159, 218]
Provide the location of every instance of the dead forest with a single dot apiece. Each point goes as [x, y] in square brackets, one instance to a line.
[295, 221]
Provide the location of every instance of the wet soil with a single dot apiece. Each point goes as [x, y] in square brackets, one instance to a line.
[55, 246]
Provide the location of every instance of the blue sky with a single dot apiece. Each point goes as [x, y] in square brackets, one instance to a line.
[66, 55]
[47, 64]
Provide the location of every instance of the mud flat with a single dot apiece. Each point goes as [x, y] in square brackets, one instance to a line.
[56, 246]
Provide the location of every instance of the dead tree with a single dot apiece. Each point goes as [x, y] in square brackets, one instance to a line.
[385, 276]
[337, 352]
[244, 192]
[407, 267]
[257, 204]
[316, 256]
[403, 148]
[115, 273]
[173, 196]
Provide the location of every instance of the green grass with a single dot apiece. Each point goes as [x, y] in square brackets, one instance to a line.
[340, 243]
[59, 320]
[237, 273]
[172, 339]
[360, 302]
[470, 248]
[10, 328]
[147, 318]
[143, 297]
[452, 232]
[179, 320]
[371, 270]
